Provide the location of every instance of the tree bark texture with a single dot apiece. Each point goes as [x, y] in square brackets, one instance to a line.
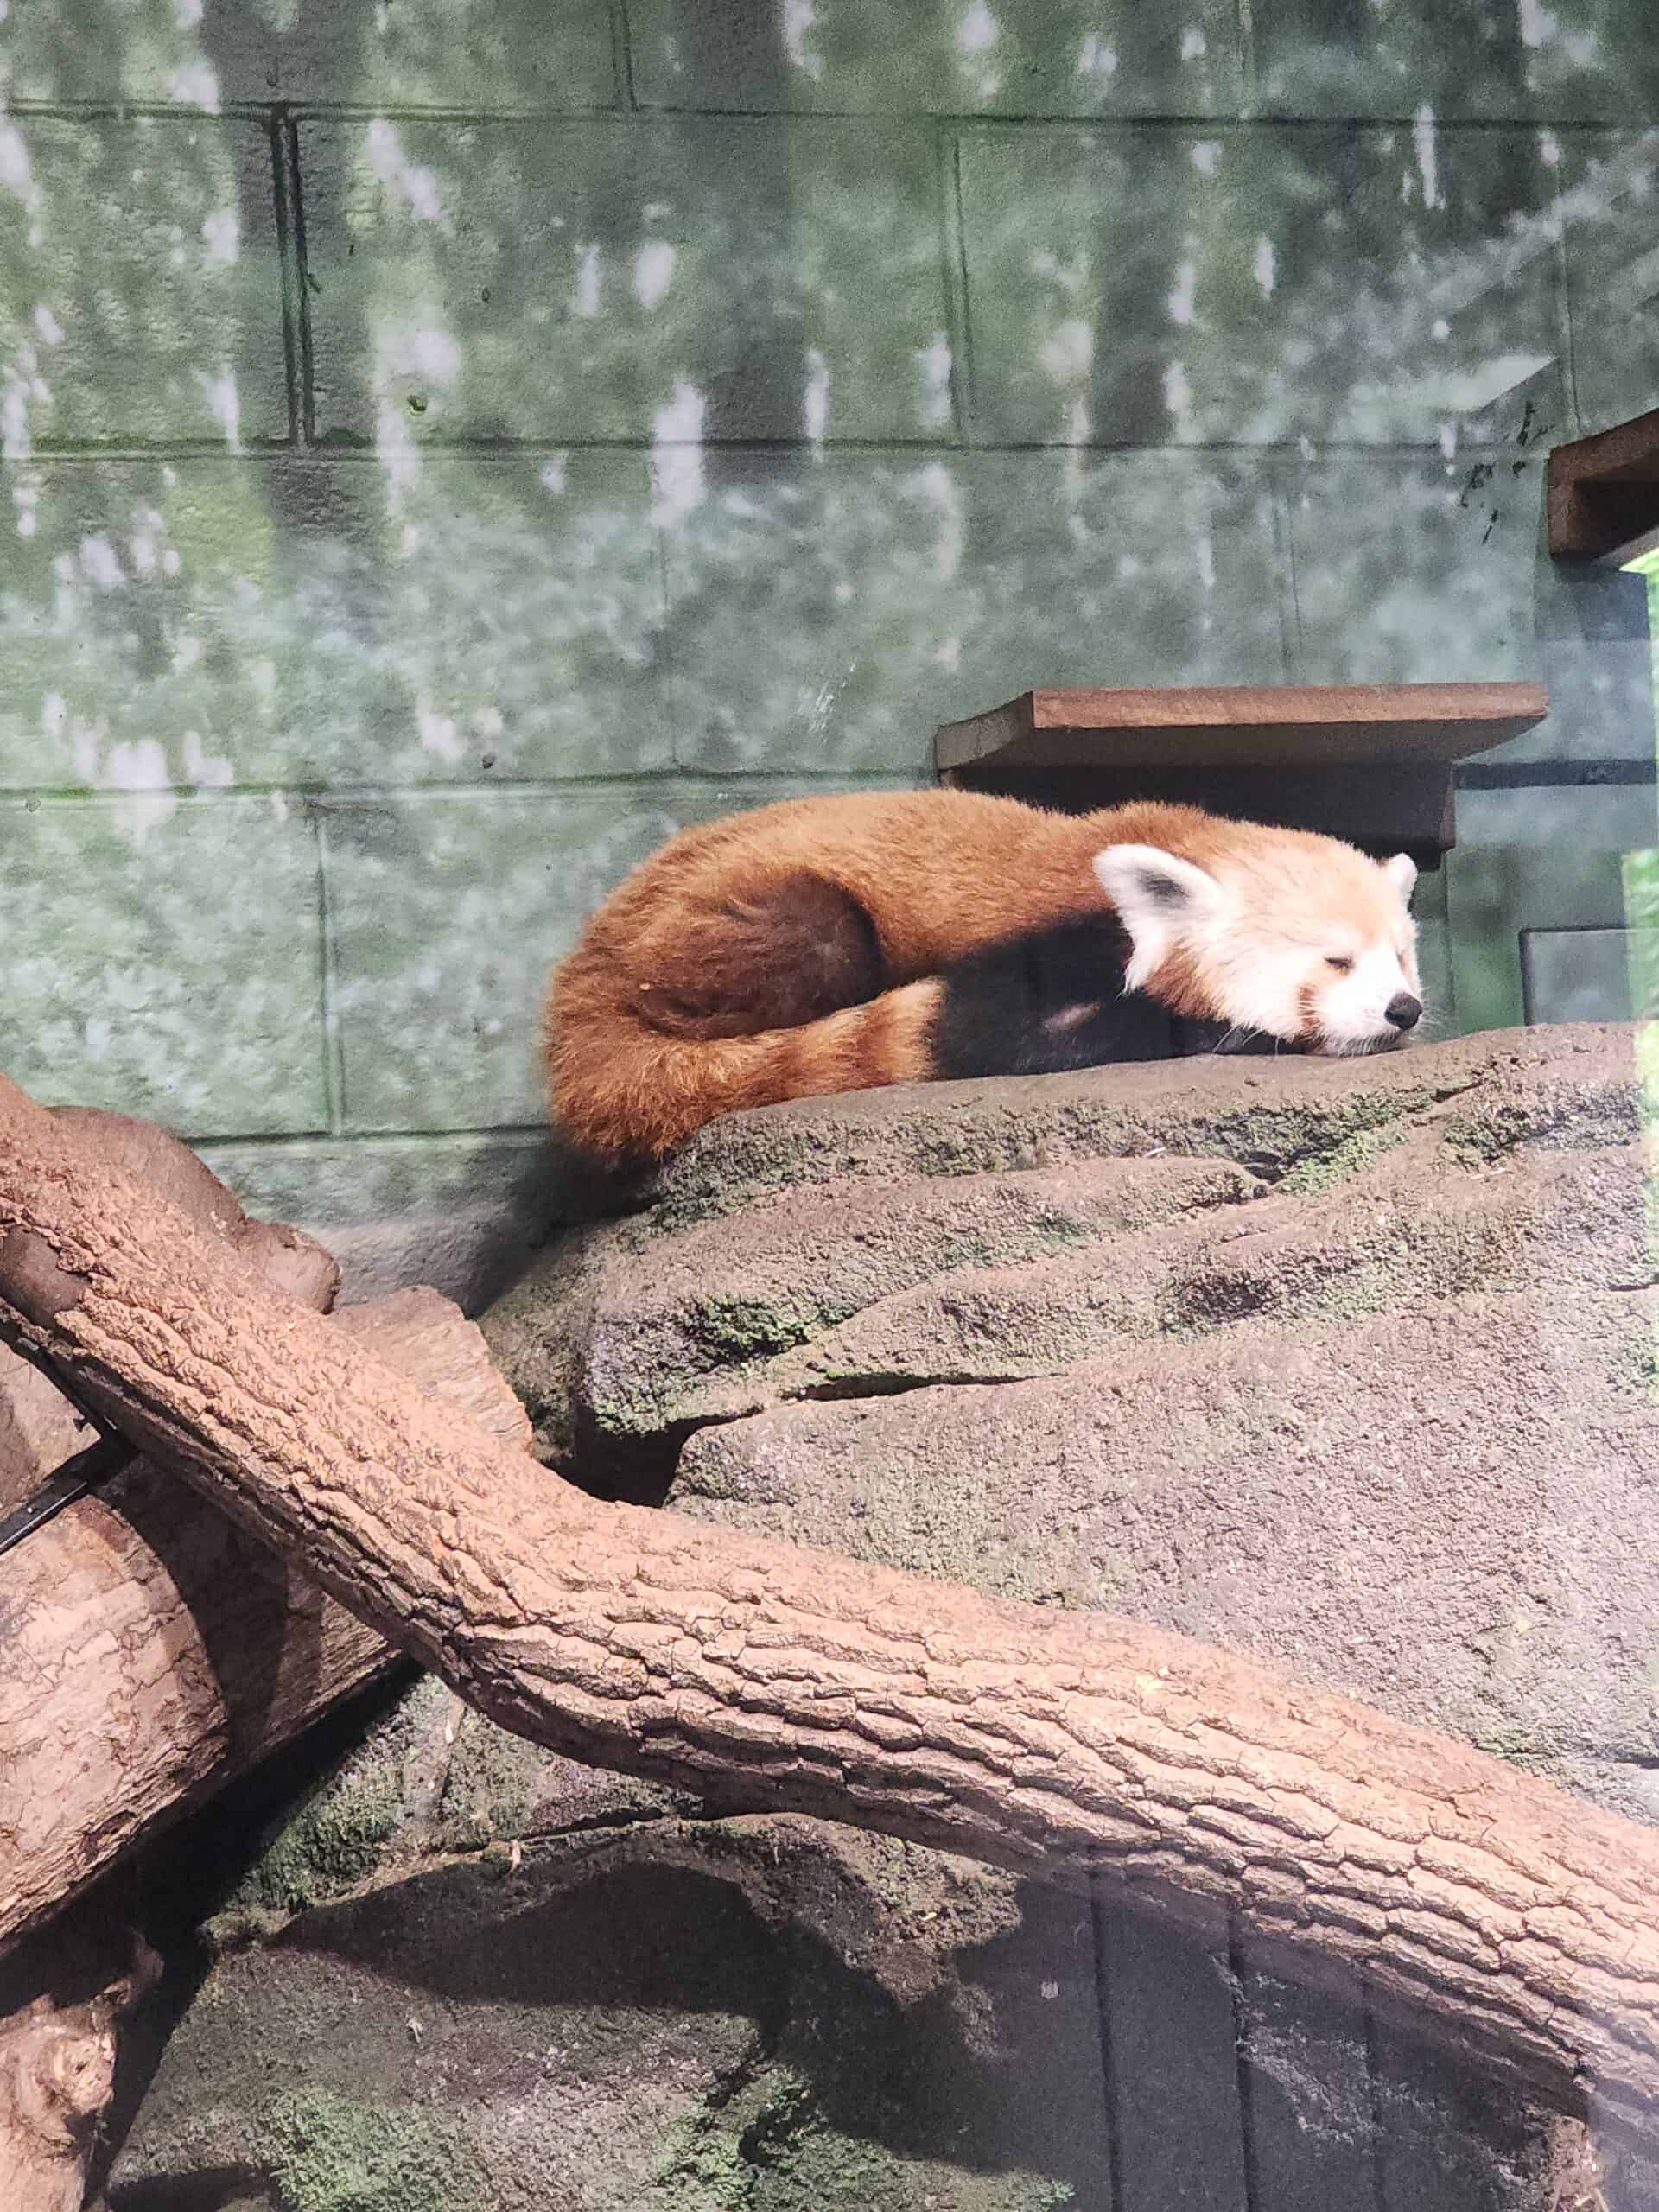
[58, 2047]
[150, 1648]
[1512, 1918]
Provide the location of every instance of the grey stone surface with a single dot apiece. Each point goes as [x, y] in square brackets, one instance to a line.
[467, 1974]
[1350, 1366]
[1338, 1362]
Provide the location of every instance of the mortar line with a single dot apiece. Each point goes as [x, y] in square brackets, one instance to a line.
[307, 429]
[288, 279]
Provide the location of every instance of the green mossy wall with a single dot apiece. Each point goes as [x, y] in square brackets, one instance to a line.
[451, 443]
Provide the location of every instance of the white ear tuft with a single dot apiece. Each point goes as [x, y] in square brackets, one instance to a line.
[1401, 872]
[1158, 899]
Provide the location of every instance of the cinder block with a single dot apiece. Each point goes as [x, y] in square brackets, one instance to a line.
[446, 913]
[1260, 285]
[1020, 57]
[1534, 860]
[451, 53]
[826, 615]
[303, 621]
[139, 309]
[681, 281]
[1413, 570]
[1588, 59]
[460, 1212]
[1610, 202]
[162, 955]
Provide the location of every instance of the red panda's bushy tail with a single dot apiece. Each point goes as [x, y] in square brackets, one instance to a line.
[628, 1092]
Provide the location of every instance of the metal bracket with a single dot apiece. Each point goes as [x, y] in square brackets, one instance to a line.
[82, 1472]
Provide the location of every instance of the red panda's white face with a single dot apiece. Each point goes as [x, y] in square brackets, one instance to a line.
[1283, 934]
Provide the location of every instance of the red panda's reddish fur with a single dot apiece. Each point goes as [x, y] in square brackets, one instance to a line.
[795, 951]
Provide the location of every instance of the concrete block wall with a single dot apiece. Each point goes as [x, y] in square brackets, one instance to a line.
[451, 443]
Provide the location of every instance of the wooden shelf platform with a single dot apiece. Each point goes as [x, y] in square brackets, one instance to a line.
[1241, 726]
[1369, 762]
[1604, 493]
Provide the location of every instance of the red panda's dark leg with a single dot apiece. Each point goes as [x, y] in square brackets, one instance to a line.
[772, 958]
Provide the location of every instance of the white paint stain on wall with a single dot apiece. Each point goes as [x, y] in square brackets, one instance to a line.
[553, 471]
[441, 736]
[139, 772]
[394, 442]
[202, 770]
[653, 272]
[1424, 140]
[938, 489]
[1181, 301]
[1265, 267]
[412, 182]
[677, 476]
[1096, 59]
[815, 400]
[1069, 351]
[220, 235]
[933, 363]
[224, 403]
[1192, 44]
[195, 85]
[1205, 156]
[799, 21]
[584, 300]
[977, 32]
[100, 564]
[16, 175]
[50, 329]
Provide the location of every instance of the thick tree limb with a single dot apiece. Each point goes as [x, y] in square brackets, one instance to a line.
[150, 1648]
[1517, 1919]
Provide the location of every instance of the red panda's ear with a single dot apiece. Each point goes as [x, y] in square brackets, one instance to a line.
[1401, 872]
[1158, 900]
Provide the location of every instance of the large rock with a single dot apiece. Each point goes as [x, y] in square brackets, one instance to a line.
[1346, 1363]
[1341, 1362]
[464, 1975]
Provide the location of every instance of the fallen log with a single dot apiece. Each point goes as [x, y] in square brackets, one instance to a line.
[152, 1649]
[1513, 1919]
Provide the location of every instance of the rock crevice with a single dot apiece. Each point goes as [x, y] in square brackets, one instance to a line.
[1348, 1365]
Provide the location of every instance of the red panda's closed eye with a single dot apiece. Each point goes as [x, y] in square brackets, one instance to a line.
[1340, 962]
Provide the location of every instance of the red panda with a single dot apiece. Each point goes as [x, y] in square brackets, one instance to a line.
[829, 944]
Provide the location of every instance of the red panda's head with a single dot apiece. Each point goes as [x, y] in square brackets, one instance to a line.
[1276, 931]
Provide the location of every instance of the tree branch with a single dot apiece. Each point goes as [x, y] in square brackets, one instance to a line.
[1520, 1922]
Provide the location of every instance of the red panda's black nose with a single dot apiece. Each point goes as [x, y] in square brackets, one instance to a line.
[1404, 1012]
